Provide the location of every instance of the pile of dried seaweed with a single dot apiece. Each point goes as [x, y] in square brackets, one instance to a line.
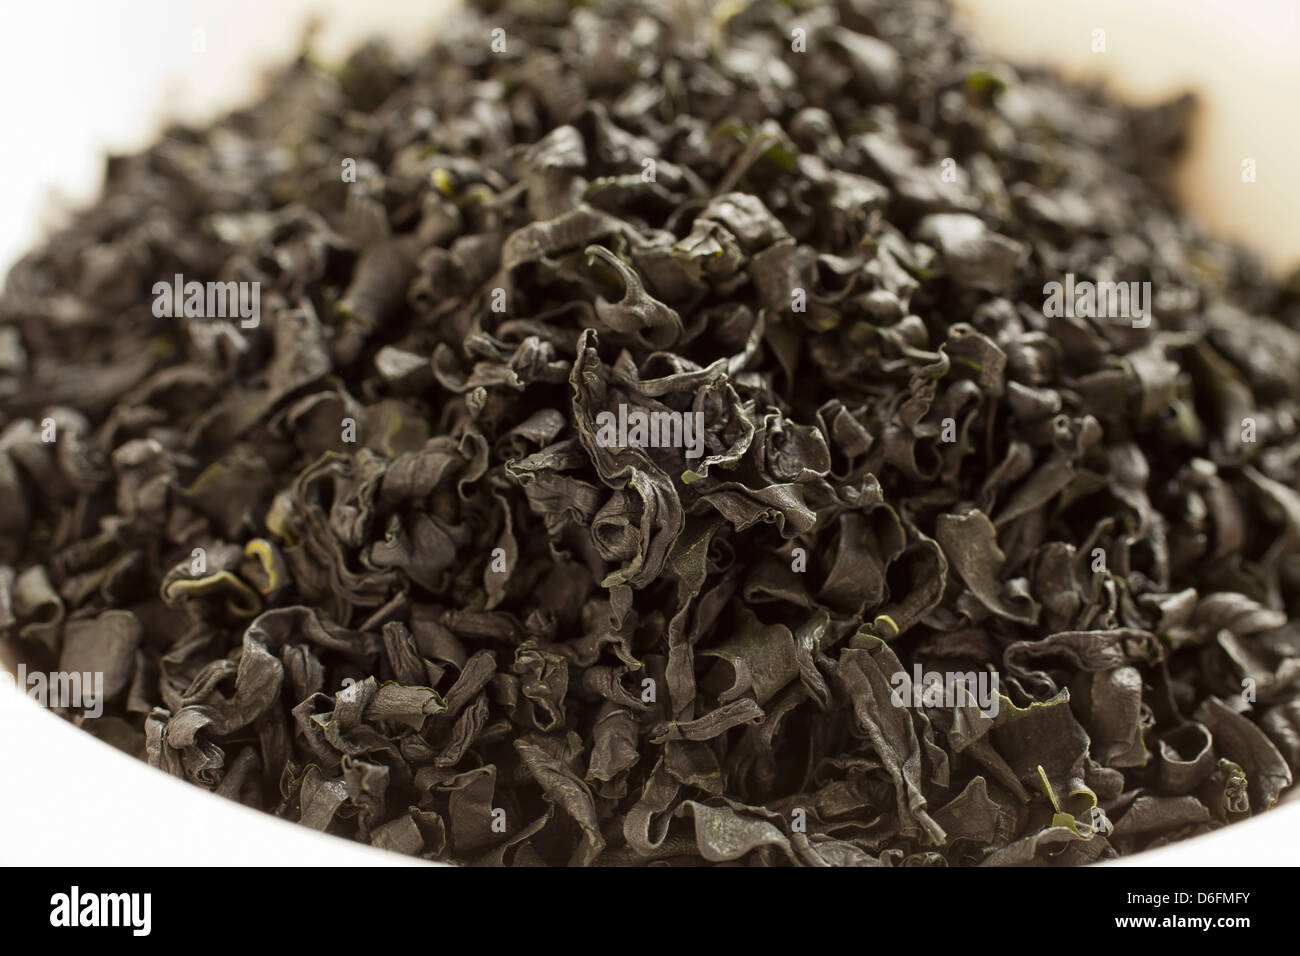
[373, 561]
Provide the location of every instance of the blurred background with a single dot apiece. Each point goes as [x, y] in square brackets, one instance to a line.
[83, 76]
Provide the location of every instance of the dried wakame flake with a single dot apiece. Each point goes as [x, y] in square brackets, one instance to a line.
[644, 432]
